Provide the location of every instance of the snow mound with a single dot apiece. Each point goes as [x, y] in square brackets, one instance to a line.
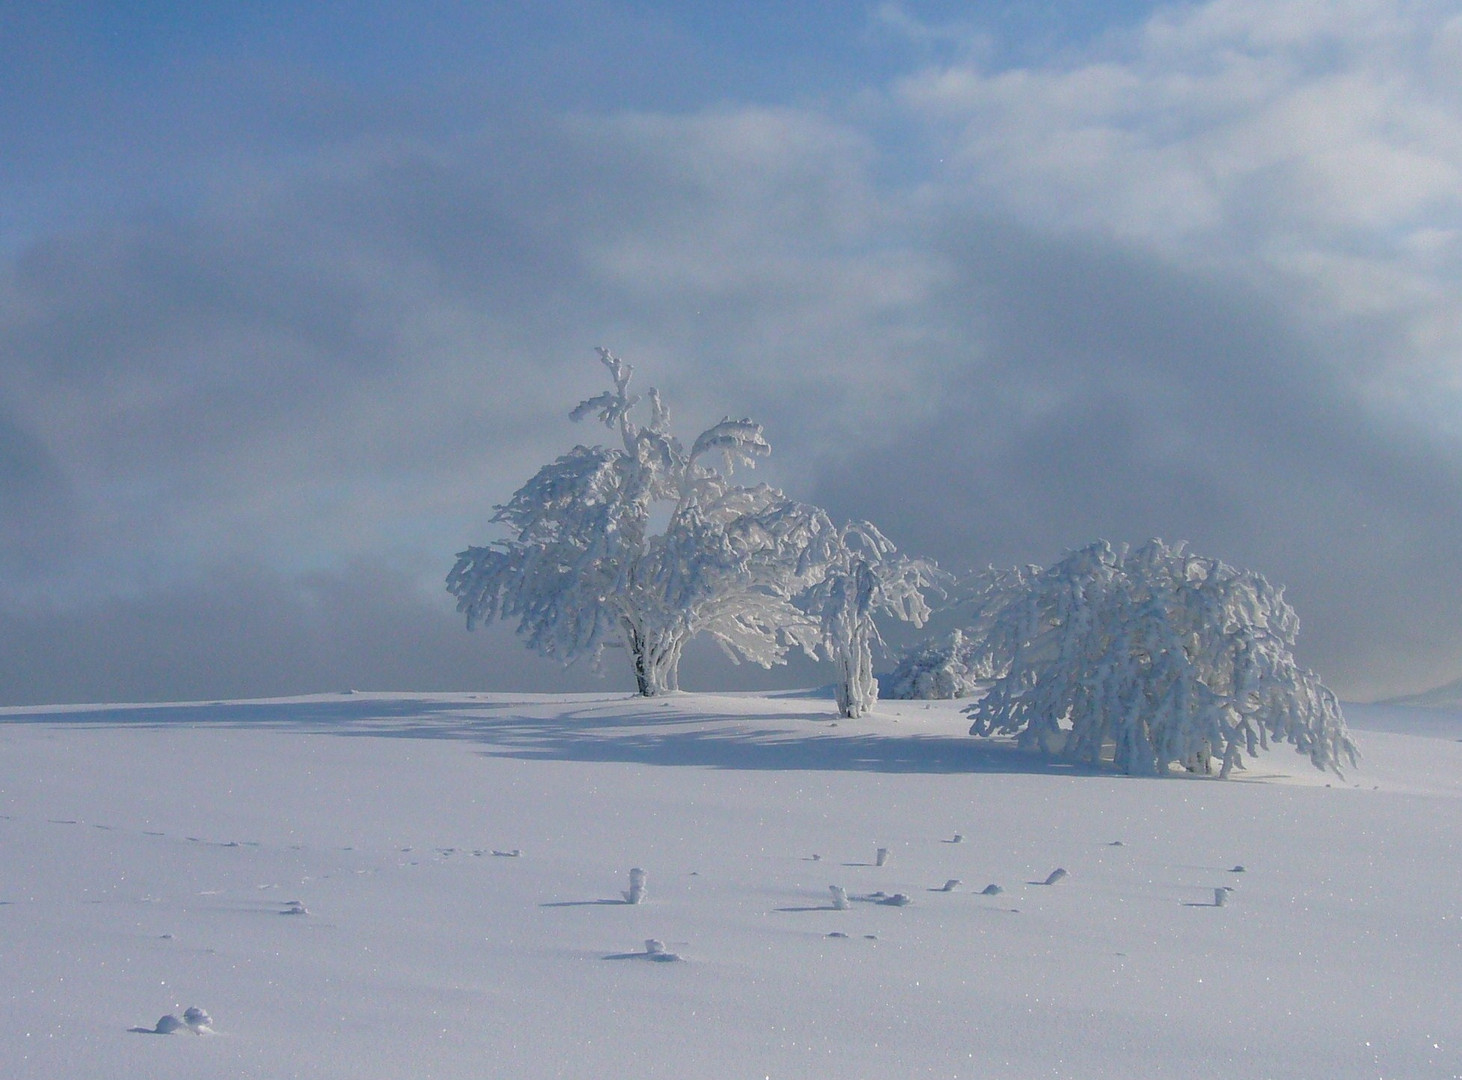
[194, 1019]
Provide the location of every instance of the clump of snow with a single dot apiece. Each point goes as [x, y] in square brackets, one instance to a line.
[1054, 876]
[655, 950]
[636, 892]
[840, 897]
[887, 899]
[949, 886]
[168, 1024]
[991, 890]
[194, 1020]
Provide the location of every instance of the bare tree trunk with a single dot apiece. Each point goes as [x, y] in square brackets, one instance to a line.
[635, 642]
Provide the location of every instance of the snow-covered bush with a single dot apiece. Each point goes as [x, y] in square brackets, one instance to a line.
[953, 666]
[584, 570]
[1156, 656]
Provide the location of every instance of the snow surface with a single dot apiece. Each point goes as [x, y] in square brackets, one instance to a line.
[151, 852]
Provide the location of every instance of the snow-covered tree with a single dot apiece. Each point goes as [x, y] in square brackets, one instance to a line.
[860, 575]
[584, 569]
[1155, 655]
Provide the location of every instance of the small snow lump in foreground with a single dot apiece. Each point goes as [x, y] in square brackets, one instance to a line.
[194, 1019]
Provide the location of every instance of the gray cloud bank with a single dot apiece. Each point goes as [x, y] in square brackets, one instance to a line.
[242, 434]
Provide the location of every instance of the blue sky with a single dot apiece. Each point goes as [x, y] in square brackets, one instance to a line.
[291, 295]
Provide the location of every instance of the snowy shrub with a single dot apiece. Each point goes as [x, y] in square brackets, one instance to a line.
[583, 569]
[953, 666]
[1156, 656]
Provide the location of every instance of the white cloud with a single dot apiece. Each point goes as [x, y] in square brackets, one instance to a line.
[1282, 133]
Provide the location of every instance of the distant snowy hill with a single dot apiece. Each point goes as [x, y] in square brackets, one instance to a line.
[1447, 696]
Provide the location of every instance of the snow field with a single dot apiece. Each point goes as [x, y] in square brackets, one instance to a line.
[151, 856]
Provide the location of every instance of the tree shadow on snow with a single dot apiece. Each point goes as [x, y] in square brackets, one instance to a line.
[593, 728]
[743, 745]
